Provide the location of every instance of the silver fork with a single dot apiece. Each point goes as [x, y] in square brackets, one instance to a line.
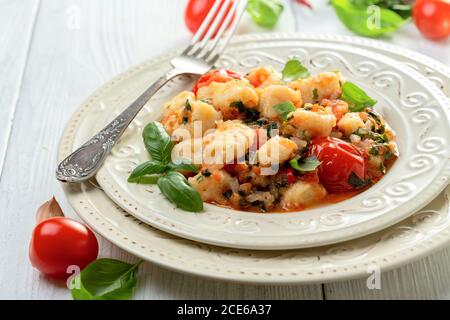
[198, 58]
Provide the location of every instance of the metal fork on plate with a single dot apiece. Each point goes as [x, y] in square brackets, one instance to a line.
[199, 57]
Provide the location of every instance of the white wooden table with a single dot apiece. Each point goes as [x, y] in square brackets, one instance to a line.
[53, 53]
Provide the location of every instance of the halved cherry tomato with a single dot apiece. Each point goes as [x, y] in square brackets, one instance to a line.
[432, 18]
[220, 75]
[291, 178]
[58, 243]
[339, 160]
[197, 10]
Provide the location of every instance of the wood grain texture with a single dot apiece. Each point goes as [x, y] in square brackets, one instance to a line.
[77, 46]
[427, 278]
[16, 28]
[424, 279]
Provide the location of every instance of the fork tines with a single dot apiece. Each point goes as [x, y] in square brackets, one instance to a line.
[216, 30]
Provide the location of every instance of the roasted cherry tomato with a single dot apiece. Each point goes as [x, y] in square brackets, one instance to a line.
[58, 243]
[339, 160]
[432, 18]
[221, 75]
[290, 176]
[197, 10]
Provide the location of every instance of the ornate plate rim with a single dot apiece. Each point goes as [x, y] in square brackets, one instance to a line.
[432, 244]
[295, 241]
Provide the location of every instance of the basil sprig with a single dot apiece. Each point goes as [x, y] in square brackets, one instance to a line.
[293, 70]
[157, 142]
[356, 97]
[265, 13]
[284, 109]
[163, 172]
[106, 279]
[357, 16]
[307, 165]
[177, 189]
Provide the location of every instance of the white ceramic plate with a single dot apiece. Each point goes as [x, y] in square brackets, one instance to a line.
[411, 104]
[419, 235]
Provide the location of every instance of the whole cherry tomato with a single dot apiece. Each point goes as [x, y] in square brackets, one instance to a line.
[221, 75]
[339, 160]
[197, 10]
[432, 18]
[58, 243]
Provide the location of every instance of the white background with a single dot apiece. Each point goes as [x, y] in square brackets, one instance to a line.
[53, 54]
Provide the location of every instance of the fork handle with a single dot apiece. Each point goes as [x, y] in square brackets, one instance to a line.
[84, 162]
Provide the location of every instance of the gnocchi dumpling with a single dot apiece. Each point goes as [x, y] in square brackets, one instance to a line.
[302, 193]
[326, 85]
[276, 151]
[223, 96]
[274, 95]
[313, 124]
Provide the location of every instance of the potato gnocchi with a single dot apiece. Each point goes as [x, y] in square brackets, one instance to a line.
[265, 144]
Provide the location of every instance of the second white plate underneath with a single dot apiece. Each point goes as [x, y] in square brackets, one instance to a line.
[413, 106]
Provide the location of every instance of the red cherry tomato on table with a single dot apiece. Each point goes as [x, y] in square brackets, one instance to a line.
[339, 160]
[58, 243]
[197, 10]
[432, 18]
[221, 75]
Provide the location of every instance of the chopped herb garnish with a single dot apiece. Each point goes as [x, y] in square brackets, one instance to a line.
[206, 173]
[356, 97]
[272, 126]
[284, 109]
[294, 70]
[388, 154]
[315, 94]
[356, 182]
[381, 137]
[307, 165]
[261, 122]
[374, 151]
[187, 105]
[227, 194]
[250, 114]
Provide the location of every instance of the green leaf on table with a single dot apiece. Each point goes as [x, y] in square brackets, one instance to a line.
[157, 142]
[367, 20]
[147, 168]
[307, 165]
[106, 279]
[265, 13]
[356, 97]
[177, 189]
[183, 165]
[293, 70]
[284, 109]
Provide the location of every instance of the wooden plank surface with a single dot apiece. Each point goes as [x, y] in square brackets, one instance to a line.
[57, 53]
[77, 46]
[427, 278]
[16, 29]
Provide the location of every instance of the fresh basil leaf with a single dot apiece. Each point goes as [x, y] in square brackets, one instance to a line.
[183, 165]
[148, 179]
[356, 182]
[307, 165]
[157, 142]
[356, 97]
[106, 279]
[265, 12]
[362, 21]
[177, 189]
[293, 70]
[146, 168]
[284, 109]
